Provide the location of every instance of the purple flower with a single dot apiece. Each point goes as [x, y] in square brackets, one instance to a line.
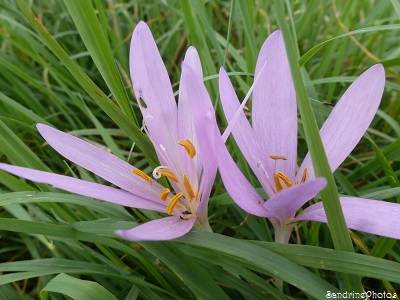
[270, 146]
[185, 161]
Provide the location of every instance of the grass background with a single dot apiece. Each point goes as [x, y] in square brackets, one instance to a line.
[66, 64]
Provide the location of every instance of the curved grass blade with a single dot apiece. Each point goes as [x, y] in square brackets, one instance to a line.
[76, 289]
[262, 260]
[339, 261]
[83, 14]
[126, 124]
[310, 53]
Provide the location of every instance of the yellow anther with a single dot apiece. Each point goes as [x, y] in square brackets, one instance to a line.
[304, 177]
[296, 182]
[278, 184]
[143, 175]
[174, 200]
[276, 157]
[167, 173]
[278, 176]
[164, 194]
[188, 187]
[188, 145]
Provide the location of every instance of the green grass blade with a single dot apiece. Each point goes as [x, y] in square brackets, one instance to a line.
[264, 261]
[18, 153]
[126, 124]
[107, 209]
[339, 261]
[310, 53]
[83, 14]
[199, 281]
[396, 5]
[76, 289]
[251, 54]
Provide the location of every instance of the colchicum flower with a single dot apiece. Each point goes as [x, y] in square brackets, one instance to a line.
[184, 160]
[269, 145]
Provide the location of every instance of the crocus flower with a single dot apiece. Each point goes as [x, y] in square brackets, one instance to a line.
[186, 164]
[269, 145]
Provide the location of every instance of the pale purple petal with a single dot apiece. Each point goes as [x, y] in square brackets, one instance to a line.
[370, 216]
[237, 185]
[286, 203]
[152, 85]
[350, 118]
[100, 162]
[158, 230]
[187, 97]
[86, 188]
[243, 133]
[274, 112]
[192, 59]
[205, 127]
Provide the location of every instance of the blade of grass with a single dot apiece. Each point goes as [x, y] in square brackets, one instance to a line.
[83, 14]
[76, 289]
[310, 53]
[199, 281]
[126, 124]
[251, 255]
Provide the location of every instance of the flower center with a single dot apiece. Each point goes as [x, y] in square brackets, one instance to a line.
[186, 200]
[281, 180]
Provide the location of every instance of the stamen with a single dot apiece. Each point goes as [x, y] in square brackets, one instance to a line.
[160, 171]
[278, 183]
[276, 157]
[188, 145]
[164, 194]
[143, 175]
[188, 187]
[174, 200]
[304, 177]
[278, 176]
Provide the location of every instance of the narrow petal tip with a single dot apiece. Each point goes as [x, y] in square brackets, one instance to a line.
[41, 126]
[375, 73]
[191, 52]
[193, 60]
[47, 132]
[141, 26]
[222, 73]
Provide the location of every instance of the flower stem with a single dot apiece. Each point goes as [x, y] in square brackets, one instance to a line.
[204, 226]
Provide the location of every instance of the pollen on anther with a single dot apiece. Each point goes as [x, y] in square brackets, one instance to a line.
[278, 176]
[167, 173]
[277, 157]
[278, 184]
[143, 175]
[174, 200]
[164, 194]
[304, 176]
[188, 187]
[189, 147]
